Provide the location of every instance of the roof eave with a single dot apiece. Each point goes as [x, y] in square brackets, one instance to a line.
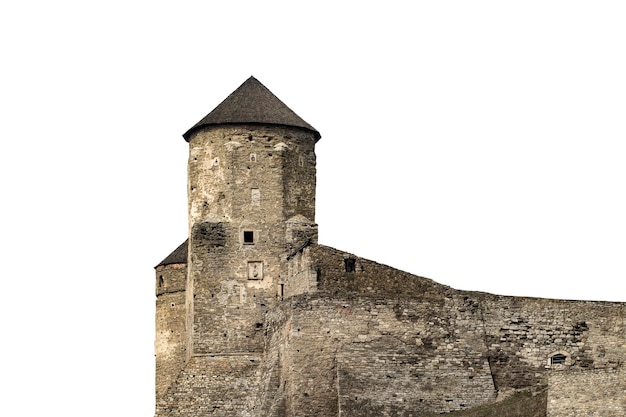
[187, 135]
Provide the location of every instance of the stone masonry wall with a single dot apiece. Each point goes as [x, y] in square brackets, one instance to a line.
[299, 174]
[592, 393]
[523, 333]
[301, 277]
[275, 371]
[218, 386]
[170, 346]
[378, 357]
[359, 338]
[245, 182]
[227, 309]
[335, 277]
[515, 336]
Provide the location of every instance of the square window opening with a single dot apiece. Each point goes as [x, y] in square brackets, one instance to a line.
[248, 237]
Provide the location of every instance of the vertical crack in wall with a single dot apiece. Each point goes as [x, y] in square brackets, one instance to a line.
[487, 347]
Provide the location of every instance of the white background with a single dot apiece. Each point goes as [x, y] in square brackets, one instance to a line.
[477, 143]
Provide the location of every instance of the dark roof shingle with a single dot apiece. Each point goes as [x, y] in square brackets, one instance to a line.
[252, 102]
[179, 256]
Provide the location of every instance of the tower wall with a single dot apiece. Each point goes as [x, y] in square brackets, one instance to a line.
[244, 183]
[170, 345]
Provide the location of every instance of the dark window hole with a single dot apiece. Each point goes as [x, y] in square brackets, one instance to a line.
[350, 264]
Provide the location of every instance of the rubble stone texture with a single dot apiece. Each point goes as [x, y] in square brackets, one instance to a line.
[255, 318]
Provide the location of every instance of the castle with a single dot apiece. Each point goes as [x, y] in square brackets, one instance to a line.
[255, 318]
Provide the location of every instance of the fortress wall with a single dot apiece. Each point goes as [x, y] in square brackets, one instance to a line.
[275, 370]
[381, 357]
[377, 341]
[523, 333]
[302, 277]
[218, 386]
[308, 354]
[590, 392]
[368, 278]
[170, 338]
[414, 356]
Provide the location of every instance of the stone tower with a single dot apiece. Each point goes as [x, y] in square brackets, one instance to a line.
[251, 194]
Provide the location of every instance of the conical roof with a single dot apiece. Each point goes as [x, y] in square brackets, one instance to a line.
[179, 256]
[252, 102]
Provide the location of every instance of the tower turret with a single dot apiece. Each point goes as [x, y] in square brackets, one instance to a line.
[251, 191]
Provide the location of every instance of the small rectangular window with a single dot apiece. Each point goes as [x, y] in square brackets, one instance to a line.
[248, 237]
[350, 264]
